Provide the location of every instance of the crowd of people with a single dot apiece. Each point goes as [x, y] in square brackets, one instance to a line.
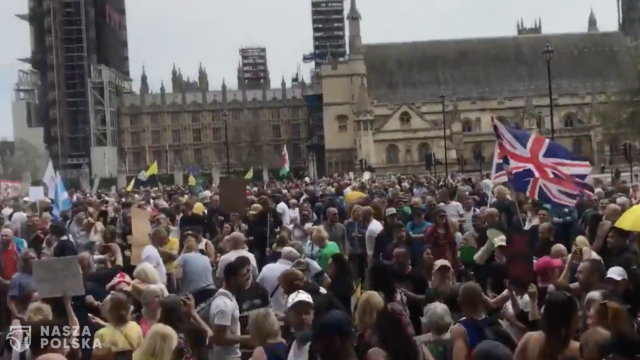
[400, 268]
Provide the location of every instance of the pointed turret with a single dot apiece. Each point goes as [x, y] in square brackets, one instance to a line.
[163, 93]
[203, 82]
[283, 89]
[593, 22]
[224, 92]
[363, 105]
[355, 38]
[183, 88]
[353, 14]
[174, 79]
[144, 85]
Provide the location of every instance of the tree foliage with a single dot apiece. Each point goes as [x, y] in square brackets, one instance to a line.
[620, 113]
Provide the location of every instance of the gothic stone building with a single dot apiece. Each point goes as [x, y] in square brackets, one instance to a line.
[187, 126]
[384, 102]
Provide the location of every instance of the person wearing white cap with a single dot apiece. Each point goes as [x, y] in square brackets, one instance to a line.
[299, 315]
[617, 280]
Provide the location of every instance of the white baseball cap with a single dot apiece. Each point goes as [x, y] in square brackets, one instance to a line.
[299, 296]
[617, 273]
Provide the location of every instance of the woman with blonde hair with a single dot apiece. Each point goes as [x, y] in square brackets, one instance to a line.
[119, 334]
[582, 243]
[158, 345]
[265, 334]
[146, 275]
[367, 308]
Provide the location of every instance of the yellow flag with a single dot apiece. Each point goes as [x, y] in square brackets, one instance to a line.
[249, 175]
[130, 186]
[153, 170]
[191, 181]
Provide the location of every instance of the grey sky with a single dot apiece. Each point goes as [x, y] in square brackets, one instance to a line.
[187, 32]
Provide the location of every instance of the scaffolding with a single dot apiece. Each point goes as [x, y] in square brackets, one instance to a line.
[254, 67]
[76, 79]
[107, 86]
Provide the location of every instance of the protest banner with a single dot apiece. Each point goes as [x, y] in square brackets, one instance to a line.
[233, 197]
[140, 231]
[55, 277]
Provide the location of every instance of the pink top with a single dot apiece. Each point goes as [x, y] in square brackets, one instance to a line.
[145, 325]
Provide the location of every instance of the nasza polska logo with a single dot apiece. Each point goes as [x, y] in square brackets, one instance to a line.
[19, 337]
[55, 337]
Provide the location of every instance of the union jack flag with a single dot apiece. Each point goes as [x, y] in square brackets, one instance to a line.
[538, 167]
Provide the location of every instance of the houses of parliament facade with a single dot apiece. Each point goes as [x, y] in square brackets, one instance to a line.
[388, 105]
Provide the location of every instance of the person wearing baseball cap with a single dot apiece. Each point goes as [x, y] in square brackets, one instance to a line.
[299, 316]
[617, 281]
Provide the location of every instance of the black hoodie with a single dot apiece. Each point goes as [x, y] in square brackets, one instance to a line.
[323, 302]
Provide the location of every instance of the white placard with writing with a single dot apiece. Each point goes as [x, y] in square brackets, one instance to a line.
[58, 276]
[36, 193]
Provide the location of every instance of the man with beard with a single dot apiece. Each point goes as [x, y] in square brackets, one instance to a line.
[409, 280]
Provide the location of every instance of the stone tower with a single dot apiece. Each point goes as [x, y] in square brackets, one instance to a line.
[629, 18]
[593, 22]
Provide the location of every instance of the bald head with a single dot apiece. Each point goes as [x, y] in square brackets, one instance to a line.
[612, 212]
[236, 240]
[558, 251]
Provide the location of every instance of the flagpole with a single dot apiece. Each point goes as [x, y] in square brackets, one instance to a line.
[147, 155]
[168, 168]
[126, 161]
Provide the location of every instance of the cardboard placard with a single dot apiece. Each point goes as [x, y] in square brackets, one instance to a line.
[36, 193]
[56, 277]
[140, 231]
[233, 197]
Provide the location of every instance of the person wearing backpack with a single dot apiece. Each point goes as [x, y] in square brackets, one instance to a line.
[436, 327]
[475, 327]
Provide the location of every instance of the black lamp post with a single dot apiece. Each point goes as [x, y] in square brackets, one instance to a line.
[444, 135]
[225, 119]
[548, 55]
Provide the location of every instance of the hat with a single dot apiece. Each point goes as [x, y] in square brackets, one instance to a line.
[545, 264]
[334, 323]
[499, 241]
[390, 211]
[255, 208]
[438, 211]
[299, 296]
[617, 273]
[440, 263]
[491, 350]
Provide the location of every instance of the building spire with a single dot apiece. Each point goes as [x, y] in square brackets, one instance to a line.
[363, 105]
[144, 85]
[593, 22]
[353, 14]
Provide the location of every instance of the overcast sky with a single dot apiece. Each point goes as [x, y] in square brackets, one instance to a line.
[189, 32]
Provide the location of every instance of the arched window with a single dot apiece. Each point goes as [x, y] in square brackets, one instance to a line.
[392, 154]
[405, 118]
[503, 120]
[423, 150]
[467, 125]
[576, 146]
[343, 121]
[569, 119]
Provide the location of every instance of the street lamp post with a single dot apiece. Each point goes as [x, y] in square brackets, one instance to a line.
[444, 135]
[548, 55]
[225, 119]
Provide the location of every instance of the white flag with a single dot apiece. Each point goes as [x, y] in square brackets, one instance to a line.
[49, 179]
